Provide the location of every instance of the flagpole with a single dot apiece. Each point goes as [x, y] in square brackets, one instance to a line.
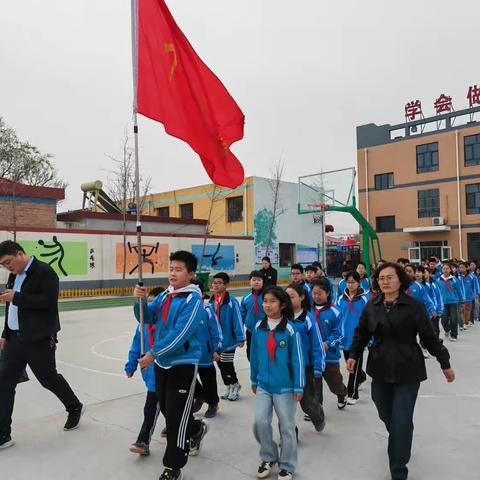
[134, 6]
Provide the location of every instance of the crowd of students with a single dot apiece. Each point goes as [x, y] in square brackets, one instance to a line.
[294, 340]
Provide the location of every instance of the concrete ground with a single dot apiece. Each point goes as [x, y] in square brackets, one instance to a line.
[91, 355]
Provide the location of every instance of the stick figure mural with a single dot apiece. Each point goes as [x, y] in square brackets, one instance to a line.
[216, 257]
[154, 258]
[66, 258]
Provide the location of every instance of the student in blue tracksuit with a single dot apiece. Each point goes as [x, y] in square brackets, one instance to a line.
[297, 276]
[475, 303]
[436, 297]
[435, 268]
[364, 280]
[313, 353]
[226, 310]
[151, 409]
[321, 275]
[310, 271]
[342, 286]
[469, 284]
[330, 324]
[351, 305]
[417, 290]
[251, 306]
[451, 296]
[210, 335]
[177, 314]
[277, 374]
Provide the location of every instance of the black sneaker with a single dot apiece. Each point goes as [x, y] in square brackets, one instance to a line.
[307, 418]
[73, 418]
[211, 411]
[6, 441]
[197, 404]
[196, 441]
[169, 474]
[284, 475]
[265, 469]
[141, 448]
[341, 403]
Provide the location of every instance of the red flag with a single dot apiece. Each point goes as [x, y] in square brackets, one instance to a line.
[175, 87]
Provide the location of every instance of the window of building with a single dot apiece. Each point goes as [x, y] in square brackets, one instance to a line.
[473, 245]
[386, 224]
[163, 211]
[287, 254]
[472, 150]
[428, 203]
[186, 211]
[472, 192]
[384, 181]
[234, 209]
[427, 157]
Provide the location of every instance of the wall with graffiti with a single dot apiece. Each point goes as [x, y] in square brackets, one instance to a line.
[93, 260]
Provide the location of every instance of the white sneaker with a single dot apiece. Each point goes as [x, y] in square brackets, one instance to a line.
[227, 392]
[284, 475]
[351, 400]
[265, 469]
[453, 339]
[234, 392]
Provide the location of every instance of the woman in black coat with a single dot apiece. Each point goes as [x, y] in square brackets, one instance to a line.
[395, 362]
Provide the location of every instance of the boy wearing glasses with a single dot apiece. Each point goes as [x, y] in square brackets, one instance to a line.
[226, 309]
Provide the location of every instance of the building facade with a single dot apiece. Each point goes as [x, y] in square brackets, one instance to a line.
[419, 185]
[260, 207]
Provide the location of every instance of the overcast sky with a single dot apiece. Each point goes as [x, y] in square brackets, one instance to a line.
[304, 72]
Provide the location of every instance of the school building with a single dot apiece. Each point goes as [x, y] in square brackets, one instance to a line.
[419, 183]
[260, 208]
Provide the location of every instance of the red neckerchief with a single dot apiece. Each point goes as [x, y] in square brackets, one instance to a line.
[271, 345]
[166, 307]
[256, 308]
[318, 311]
[151, 330]
[449, 288]
[408, 291]
[218, 303]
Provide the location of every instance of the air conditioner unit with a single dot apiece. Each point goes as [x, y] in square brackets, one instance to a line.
[438, 221]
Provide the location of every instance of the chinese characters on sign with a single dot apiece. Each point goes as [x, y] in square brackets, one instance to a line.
[92, 258]
[443, 104]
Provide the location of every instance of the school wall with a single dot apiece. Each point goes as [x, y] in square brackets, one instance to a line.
[290, 227]
[91, 260]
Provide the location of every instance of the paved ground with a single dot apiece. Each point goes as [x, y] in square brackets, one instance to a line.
[92, 349]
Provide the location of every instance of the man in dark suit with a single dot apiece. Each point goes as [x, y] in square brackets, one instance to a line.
[30, 335]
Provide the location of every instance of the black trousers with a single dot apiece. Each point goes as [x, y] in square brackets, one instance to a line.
[310, 401]
[355, 378]
[206, 389]
[395, 404]
[151, 410]
[227, 368]
[248, 335]
[175, 388]
[334, 379]
[40, 357]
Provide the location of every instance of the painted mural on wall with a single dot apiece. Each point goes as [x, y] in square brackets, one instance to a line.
[216, 257]
[154, 258]
[66, 258]
[262, 224]
[261, 252]
[306, 254]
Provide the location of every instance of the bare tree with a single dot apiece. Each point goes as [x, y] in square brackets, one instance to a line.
[275, 185]
[20, 161]
[216, 196]
[121, 188]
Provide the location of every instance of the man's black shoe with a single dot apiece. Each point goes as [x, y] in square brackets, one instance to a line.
[73, 418]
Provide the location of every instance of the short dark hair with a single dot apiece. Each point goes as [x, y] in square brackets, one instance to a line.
[282, 296]
[267, 259]
[325, 286]
[296, 266]
[310, 268]
[353, 274]
[306, 305]
[154, 292]
[255, 274]
[9, 247]
[362, 263]
[222, 276]
[317, 264]
[200, 284]
[188, 258]
[402, 276]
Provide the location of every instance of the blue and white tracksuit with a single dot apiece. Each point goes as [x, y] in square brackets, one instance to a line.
[210, 335]
[420, 293]
[452, 296]
[350, 313]
[277, 372]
